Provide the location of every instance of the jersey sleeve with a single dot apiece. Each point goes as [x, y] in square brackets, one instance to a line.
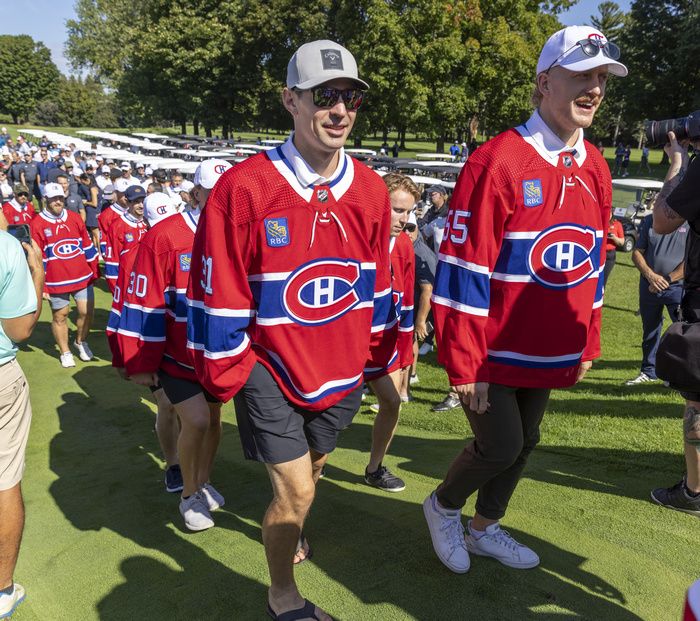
[468, 253]
[111, 255]
[142, 325]
[115, 313]
[406, 321]
[383, 354]
[220, 303]
[592, 349]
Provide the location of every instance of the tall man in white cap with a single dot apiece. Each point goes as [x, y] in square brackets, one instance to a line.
[523, 243]
[290, 295]
[153, 340]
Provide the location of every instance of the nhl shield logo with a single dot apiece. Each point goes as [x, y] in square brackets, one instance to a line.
[568, 162]
[322, 195]
[532, 192]
[277, 232]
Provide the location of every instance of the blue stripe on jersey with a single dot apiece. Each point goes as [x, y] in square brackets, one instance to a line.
[149, 326]
[176, 302]
[216, 333]
[406, 320]
[462, 285]
[111, 269]
[113, 321]
[271, 305]
[535, 364]
[384, 312]
[90, 252]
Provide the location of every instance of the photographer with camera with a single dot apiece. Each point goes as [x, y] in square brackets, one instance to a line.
[678, 202]
[21, 286]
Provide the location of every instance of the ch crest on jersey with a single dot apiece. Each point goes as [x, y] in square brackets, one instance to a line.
[563, 256]
[321, 291]
[532, 192]
[277, 232]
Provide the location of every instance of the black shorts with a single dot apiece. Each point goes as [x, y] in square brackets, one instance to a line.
[275, 431]
[155, 387]
[178, 390]
[690, 396]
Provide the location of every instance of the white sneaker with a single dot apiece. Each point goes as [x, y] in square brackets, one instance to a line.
[8, 603]
[196, 512]
[413, 380]
[67, 360]
[497, 543]
[84, 352]
[214, 499]
[374, 407]
[425, 348]
[642, 378]
[447, 533]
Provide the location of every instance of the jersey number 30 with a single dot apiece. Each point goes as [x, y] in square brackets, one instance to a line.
[206, 275]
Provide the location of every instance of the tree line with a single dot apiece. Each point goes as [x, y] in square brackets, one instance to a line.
[444, 69]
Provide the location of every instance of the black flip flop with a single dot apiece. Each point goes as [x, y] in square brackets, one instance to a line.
[303, 541]
[307, 612]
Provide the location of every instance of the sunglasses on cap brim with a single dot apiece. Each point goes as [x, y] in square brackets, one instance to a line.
[328, 96]
[591, 48]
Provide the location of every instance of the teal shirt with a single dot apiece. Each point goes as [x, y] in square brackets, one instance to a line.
[17, 294]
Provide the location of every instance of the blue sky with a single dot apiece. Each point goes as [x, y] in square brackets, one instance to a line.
[45, 20]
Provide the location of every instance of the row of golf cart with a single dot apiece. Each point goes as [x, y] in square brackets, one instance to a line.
[633, 200]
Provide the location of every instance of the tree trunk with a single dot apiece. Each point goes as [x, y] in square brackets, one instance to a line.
[440, 147]
[617, 128]
[402, 138]
[195, 126]
[224, 131]
[183, 127]
[207, 131]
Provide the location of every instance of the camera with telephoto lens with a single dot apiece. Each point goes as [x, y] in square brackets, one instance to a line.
[687, 127]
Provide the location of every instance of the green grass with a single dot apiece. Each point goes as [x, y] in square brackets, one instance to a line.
[104, 541]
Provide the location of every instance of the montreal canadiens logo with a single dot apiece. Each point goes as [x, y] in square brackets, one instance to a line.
[219, 169]
[67, 249]
[563, 256]
[321, 291]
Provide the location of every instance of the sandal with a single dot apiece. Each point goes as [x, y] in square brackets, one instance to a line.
[307, 612]
[300, 546]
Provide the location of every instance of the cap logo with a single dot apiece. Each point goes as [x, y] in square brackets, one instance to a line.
[161, 210]
[600, 37]
[331, 59]
[219, 169]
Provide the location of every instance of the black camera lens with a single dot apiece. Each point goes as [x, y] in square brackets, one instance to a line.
[684, 127]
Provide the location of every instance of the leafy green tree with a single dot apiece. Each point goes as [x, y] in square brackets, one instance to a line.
[27, 74]
[610, 19]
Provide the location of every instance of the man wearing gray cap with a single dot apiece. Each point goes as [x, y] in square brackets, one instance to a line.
[290, 303]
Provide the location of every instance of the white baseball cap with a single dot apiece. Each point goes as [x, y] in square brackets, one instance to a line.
[148, 171]
[105, 169]
[121, 184]
[562, 50]
[125, 166]
[107, 192]
[318, 62]
[52, 190]
[412, 218]
[186, 185]
[157, 207]
[209, 171]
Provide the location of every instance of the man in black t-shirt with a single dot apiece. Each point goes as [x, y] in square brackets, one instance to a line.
[678, 202]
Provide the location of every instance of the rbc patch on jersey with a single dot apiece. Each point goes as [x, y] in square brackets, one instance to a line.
[277, 232]
[129, 237]
[185, 262]
[532, 192]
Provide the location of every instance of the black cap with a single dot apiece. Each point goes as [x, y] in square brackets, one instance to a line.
[437, 188]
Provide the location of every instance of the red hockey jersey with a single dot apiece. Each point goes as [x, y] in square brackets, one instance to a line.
[115, 312]
[293, 274]
[104, 220]
[519, 283]
[153, 323]
[123, 233]
[403, 266]
[16, 214]
[70, 259]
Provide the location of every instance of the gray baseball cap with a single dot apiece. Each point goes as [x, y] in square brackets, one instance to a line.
[318, 62]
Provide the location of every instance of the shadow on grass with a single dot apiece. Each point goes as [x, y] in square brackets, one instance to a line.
[373, 546]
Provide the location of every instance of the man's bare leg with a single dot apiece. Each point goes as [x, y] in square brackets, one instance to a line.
[691, 435]
[293, 490]
[86, 310]
[167, 428]
[11, 527]
[194, 421]
[386, 390]
[59, 328]
[212, 439]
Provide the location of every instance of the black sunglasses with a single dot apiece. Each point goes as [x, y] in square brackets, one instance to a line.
[591, 47]
[327, 97]
[410, 227]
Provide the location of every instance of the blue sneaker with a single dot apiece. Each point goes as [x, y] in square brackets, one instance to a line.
[173, 479]
[9, 603]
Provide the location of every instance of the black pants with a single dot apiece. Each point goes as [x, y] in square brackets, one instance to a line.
[493, 461]
[610, 256]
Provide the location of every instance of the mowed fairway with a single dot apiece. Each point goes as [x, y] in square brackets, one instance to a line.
[103, 539]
